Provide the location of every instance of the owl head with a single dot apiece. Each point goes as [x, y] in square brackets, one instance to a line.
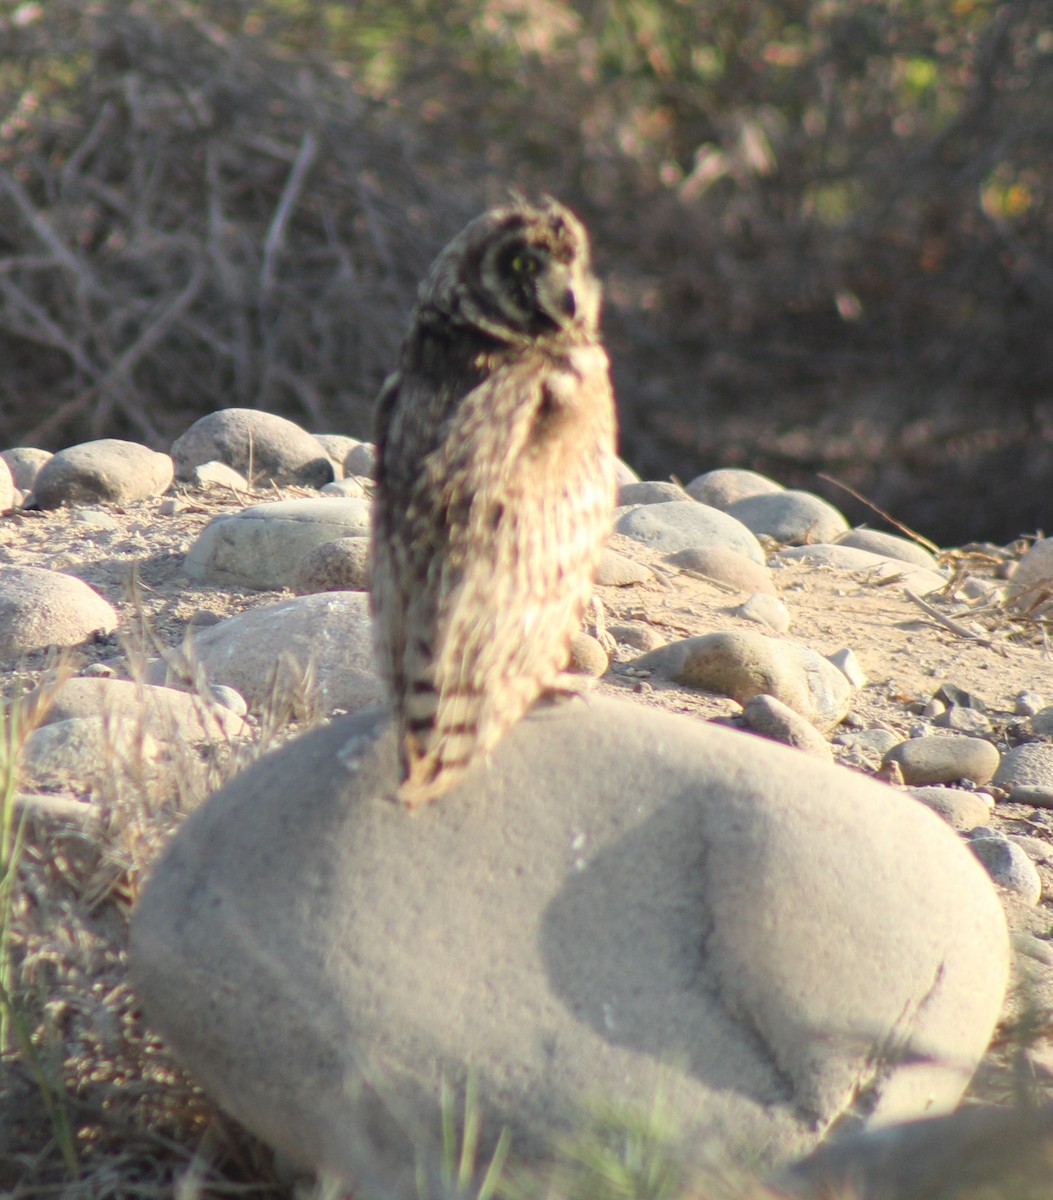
[518, 273]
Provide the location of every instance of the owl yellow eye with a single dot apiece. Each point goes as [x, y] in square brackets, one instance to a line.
[525, 264]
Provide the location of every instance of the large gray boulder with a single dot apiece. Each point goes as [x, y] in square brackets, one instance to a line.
[620, 902]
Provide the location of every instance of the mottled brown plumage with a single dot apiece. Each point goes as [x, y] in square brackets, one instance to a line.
[495, 485]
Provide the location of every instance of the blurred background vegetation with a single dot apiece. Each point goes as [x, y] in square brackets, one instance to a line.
[824, 226]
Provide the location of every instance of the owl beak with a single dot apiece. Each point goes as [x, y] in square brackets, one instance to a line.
[567, 304]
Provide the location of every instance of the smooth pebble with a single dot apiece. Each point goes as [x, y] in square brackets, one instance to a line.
[724, 486]
[791, 518]
[742, 665]
[105, 470]
[683, 524]
[944, 759]
[261, 446]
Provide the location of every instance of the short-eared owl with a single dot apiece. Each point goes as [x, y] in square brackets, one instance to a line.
[495, 486]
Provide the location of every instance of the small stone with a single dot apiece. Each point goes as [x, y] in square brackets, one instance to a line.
[868, 741]
[656, 491]
[361, 460]
[1009, 867]
[587, 656]
[766, 610]
[93, 753]
[888, 545]
[864, 567]
[847, 663]
[623, 473]
[722, 487]
[95, 517]
[338, 566]
[263, 545]
[1030, 764]
[1033, 575]
[99, 670]
[930, 710]
[954, 696]
[1041, 722]
[1035, 848]
[40, 608]
[964, 720]
[772, 719]
[1038, 795]
[1037, 948]
[24, 463]
[637, 634]
[261, 446]
[616, 570]
[351, 487]
[338, 446]
[228, 698]
[218, 474]
[1027, 703]
[682, 524]
[790, 518]
[945, 759]
[741, 665]
[107, 470]
[961, 810]
[164, 712]
[9, 494]
[725, 566]
[313, 652]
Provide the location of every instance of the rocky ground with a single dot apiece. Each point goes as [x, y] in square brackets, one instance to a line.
[948, 658]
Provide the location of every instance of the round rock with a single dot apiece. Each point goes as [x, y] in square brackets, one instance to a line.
[790, 518]
[107, 470]
[1029, 765]
[218, 474]
[40, 608]
[259, 445]
[623, 473]
[935, 759]
[651, 491]
[7, 488]
[361, 460]
[1009, 867]
[1033, 572]
[92, 753]
[742, 665]
[619, 903]
[314, 653]
[338, 447]
[162, 711]
[772, 719]
[637, 634]
[262, 546]
[766, 610]
[725, 566]
[888, 545]
[24, 463]
[352, 487]
[866, 567]
[587, 656]
[961, 810]
[616, 570]
[338, 566]
[685, 524]
[724, 486]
